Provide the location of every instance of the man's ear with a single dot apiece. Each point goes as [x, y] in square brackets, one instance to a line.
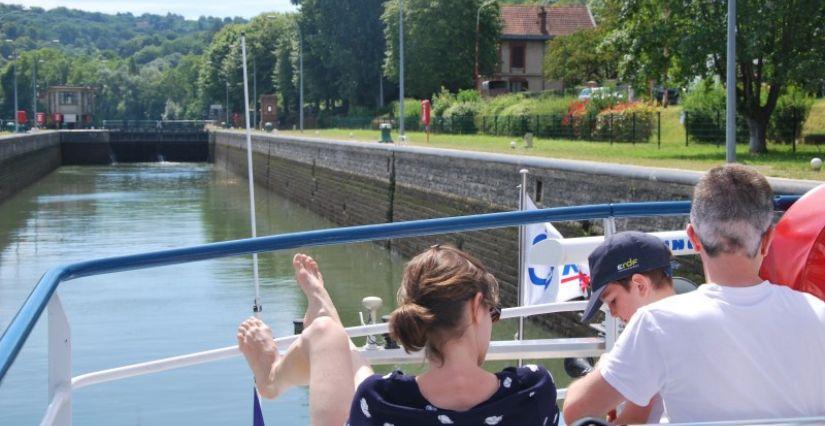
[694, 239]
[767, 237]
[642, 283]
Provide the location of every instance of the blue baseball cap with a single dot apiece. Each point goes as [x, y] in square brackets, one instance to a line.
[620, 256]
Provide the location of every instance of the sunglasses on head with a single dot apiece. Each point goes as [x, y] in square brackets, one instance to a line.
[495, 313]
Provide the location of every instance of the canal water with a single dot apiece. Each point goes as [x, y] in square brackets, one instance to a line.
[81, 213]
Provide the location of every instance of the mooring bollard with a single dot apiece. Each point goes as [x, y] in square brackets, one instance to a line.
[389, 343]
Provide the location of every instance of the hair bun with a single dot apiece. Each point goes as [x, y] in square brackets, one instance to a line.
[409, 325]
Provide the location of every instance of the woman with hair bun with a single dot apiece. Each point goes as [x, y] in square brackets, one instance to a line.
[447, 305]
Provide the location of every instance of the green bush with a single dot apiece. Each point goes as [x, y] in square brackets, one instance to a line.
[442, 101]
[626, 122]
[468, 95]
[460, 118]
[792, 109]
[518, 114]
[704, 109]
[412, 113]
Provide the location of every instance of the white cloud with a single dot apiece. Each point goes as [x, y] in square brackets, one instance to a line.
[190, 9]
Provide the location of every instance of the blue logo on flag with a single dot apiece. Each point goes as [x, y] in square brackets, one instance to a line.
[534, 278]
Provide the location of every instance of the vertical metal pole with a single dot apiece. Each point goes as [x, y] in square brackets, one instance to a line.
[16, 123]
[380, 90]
[611, 323]
[478, 35]
[659, 129]
[254, 94]
[522, 295]
[251, 176]
[795, 119]
[301, 78]
[401, 70]
[730, 105]
[60, 362]
[34, 92]
[227, 102]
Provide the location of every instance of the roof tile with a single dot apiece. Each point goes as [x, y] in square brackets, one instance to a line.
[525, 20]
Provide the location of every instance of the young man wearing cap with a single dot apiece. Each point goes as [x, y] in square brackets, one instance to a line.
[630, 270]
[627, 271]
[738, 348]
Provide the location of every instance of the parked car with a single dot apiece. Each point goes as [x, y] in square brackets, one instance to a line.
[493, 88]
[595, 92]
[672, 95]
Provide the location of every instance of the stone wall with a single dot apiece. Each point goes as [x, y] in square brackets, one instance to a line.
[25, 158]
[355, 183]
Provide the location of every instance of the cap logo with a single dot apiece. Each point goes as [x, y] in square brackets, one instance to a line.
[627, 265]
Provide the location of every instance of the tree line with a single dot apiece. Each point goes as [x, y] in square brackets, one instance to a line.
[152, 66]
[674, 43]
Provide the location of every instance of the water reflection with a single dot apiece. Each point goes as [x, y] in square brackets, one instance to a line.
[79, 213]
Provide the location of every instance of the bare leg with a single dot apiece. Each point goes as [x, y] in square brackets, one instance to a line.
[274, 373]
[331, 377]
[312, 284]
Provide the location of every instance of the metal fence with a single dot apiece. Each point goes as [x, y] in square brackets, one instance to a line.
[620, 127]
[709, 127]
[149, 126]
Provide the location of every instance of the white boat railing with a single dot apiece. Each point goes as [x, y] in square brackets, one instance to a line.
[61, 382]
[498, 351]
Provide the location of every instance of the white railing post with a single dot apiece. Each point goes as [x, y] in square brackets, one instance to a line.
[611, 323]
[60, 366]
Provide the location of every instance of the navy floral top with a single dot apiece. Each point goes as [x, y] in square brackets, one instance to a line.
[526, 396]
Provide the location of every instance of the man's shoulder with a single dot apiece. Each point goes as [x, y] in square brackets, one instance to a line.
[801, 298]
[674, 305]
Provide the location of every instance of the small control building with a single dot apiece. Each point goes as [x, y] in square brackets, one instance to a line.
[269, 110]
[71, 107]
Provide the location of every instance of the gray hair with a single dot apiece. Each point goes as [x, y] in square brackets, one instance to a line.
[732, 209]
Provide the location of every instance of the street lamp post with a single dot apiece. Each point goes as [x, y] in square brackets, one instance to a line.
[226, 110]
[254, 94]
[301, 78]
[730, 104]
[401, 70]
[16, 122]
[34, 90]
[478, 36]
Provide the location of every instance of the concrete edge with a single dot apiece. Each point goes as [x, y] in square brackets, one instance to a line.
[686, 177]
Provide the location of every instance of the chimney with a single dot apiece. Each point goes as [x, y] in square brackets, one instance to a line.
[543, 20]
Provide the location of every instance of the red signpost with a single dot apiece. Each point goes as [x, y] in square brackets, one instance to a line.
[426, 110]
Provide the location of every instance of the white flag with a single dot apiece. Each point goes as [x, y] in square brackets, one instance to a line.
[549, 283]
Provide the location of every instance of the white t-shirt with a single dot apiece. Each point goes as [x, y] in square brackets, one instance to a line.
[725, 353]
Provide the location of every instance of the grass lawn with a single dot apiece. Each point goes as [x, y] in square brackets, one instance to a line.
[779, 162]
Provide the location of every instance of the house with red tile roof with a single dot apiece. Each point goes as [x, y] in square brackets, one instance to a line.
[526, 29]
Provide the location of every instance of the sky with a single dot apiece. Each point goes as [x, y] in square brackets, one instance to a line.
[191, 9]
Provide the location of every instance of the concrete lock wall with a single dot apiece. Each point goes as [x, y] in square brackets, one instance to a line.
[26, 158]
[355, 183]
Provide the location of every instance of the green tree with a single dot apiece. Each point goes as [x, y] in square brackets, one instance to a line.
[344, 38]
[778, 43]
[648, 33]
[439, 43]
[580, 57]
[284, 75]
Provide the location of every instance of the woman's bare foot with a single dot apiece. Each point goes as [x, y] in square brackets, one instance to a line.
[312, 284]
[258, 347]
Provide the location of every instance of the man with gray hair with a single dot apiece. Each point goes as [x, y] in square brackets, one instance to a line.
[738, 348]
